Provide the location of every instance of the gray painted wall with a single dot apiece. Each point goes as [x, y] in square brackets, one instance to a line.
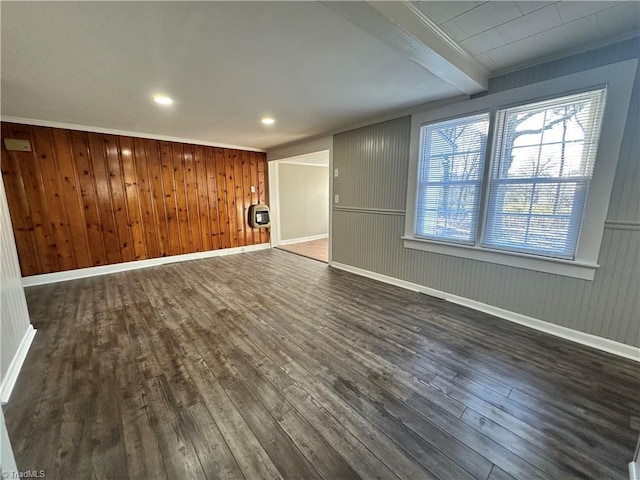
[369, 223]
[304, 200]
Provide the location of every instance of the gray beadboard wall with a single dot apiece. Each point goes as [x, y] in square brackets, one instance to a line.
[368, 224]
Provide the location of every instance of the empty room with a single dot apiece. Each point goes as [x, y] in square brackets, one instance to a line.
[320, 240]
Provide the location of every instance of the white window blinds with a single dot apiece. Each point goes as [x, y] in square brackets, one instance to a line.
[450, 176]
[542, 163]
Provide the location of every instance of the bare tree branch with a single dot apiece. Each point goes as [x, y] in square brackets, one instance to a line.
[549, 125]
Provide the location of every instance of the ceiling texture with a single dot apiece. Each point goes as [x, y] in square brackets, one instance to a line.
[315, 67]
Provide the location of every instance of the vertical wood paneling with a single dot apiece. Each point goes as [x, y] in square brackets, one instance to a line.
[155, 169]
[43, 144]
[171, 202]
[223, 198]
[17, 195]
[212, 189]
[229, 160]
[116, 184]
[158, 199]
[85, 199]
[71, 198]
[607, 306]
[200, 181]
[132, 193]
[86, 182]
[148, 217]
[246, 199]
[177, 158]
[191, 193]
[239, 197]
[103, 198]
[39, 209]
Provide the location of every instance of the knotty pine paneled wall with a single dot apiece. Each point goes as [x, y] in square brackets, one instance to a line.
[81, 199]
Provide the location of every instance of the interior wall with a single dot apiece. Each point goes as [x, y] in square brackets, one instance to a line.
[368, 224]
[300, 148]
[15, 322]
[304, 200]
[81, 199]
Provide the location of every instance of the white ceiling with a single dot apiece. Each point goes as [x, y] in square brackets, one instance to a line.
[227, 64]
[503, 34]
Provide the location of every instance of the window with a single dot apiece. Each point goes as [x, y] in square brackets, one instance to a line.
[521, 177]
[543, 159]
[451, 164]
[542, 164]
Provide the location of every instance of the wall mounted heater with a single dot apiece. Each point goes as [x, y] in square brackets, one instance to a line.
[259, 216]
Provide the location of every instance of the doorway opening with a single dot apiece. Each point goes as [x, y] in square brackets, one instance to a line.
[300, 204]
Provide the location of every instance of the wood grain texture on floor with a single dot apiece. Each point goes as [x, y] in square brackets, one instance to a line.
[270, 365]
[315, 249]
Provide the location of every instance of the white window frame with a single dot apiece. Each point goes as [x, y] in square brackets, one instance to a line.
[479, 182]
[618, 78]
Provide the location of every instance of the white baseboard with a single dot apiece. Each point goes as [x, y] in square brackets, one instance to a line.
[593, 341]
[123, 267]
[303, 239]
[16, 364]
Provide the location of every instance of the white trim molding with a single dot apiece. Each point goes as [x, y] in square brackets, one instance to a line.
[604, 344]
[304, 164]
[11, 377]
[123, 267]
[274, 201]
[621, 225]
[124, 133]
[634, 465]
[304, 239]
[557, 266]
[380, 211]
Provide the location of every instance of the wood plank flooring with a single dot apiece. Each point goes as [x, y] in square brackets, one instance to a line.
[315, 249]
[270, 365]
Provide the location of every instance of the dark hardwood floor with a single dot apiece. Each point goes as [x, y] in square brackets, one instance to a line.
[271, 365]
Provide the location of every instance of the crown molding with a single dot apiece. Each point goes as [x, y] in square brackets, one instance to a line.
[126, 133]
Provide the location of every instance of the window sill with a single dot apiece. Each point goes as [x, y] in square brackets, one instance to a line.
[556, 266]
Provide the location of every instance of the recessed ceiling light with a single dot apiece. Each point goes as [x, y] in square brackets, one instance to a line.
[162, 100]
[268, 121]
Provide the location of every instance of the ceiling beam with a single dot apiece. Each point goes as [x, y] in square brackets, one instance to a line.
[404, 28]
